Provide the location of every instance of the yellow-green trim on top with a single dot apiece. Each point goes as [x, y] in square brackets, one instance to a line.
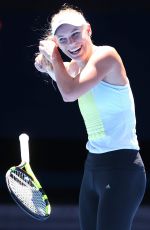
[91, 116]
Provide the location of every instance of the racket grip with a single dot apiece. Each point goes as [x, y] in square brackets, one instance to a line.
[24, 147]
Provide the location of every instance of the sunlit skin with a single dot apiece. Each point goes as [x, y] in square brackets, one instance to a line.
[71, 38]
[89, 64]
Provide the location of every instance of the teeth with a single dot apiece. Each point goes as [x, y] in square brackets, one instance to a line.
[75, 49]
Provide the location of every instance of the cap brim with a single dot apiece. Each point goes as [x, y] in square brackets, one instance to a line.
[74, 20]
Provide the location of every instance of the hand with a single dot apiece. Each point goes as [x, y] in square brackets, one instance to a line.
[44, 66]
[48, 48]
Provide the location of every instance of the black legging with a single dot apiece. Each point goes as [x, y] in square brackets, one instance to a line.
[112, 189]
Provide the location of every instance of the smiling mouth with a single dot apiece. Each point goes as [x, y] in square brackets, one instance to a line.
[75, 51]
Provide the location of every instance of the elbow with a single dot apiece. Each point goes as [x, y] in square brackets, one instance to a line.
[69, 98]
[66, 100]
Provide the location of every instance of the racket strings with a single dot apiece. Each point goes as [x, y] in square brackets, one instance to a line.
[26, 191]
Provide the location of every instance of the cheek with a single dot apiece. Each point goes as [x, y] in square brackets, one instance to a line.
[84, 43]
[64, 49]
[84, 39]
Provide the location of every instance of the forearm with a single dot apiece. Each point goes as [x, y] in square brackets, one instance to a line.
[51, 74]
[64, 81]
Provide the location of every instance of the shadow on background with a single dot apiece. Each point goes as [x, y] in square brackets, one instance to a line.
[62, 218]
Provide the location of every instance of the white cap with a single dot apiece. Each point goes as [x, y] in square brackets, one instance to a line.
[75, 19]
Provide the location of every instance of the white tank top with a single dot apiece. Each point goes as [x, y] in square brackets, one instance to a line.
[109, 115]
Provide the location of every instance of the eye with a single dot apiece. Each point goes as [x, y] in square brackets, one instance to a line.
[62, 40]
[76, 34]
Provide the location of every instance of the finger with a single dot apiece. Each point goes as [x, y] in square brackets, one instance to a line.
[42, 43]
[55, 41]
[39, 67]
[45, 42]
[41, 49]
[39, 57]
[44, 52]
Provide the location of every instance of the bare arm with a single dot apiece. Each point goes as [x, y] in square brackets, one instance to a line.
[101, 64]
[98, 66]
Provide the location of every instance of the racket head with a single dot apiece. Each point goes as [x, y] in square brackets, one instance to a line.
[28, 193]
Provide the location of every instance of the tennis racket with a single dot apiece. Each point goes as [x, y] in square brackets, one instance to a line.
[24, 187]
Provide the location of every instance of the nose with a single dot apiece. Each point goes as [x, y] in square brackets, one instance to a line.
[71, 40]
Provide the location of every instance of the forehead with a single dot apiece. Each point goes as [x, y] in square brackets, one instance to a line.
[66, 29]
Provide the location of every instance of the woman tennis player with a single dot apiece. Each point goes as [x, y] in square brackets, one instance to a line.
[114, 177]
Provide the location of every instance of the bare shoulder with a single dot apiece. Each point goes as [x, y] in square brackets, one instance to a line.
[106, 48]
[106, 51]
[108, 57]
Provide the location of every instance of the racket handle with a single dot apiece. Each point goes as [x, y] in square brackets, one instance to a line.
[24, 147]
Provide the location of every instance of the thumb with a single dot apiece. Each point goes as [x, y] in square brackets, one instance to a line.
[55, 40]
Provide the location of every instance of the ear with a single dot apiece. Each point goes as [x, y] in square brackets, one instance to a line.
[89, 30]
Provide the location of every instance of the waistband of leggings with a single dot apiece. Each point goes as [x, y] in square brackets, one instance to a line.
[123, 158]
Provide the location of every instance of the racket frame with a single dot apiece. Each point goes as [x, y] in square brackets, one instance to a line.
[25, 168]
